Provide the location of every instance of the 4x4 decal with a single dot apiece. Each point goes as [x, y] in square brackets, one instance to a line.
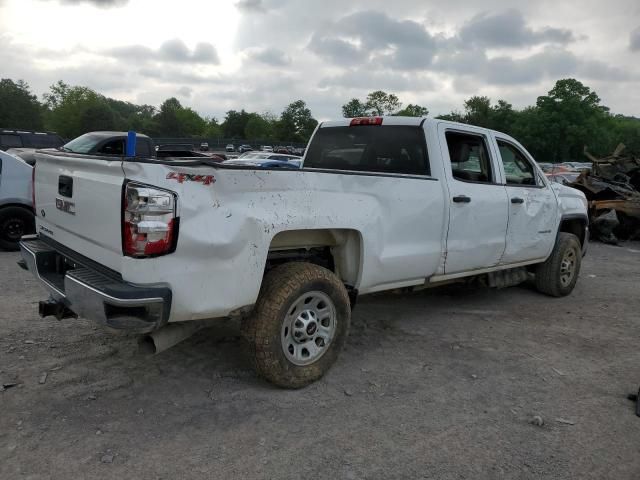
[190, 177]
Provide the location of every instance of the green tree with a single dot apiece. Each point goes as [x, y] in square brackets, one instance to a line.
[296, 122]
[167, 118]
[354, 108]
[235, 123]
[412, 110]
[453, 116]
[478, 111]
[98, 116]
[502, 117]
[212, 129]
[569, 117]
[75, 110]
[19, 108]
[258, 127]
[191, 124]
[626, 130]
[143, 120]
[382, 103]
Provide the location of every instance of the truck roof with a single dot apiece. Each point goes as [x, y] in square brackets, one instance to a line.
[409, 121]
[403, 121]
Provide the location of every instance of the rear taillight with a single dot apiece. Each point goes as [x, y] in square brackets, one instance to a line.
[149, 222]
[366, 121]
[33, 189]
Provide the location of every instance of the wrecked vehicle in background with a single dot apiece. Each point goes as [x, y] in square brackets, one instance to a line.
[612, 188]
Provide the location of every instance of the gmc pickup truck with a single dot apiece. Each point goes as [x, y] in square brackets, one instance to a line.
[157, 246]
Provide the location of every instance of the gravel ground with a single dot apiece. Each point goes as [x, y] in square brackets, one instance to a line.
[440, 384]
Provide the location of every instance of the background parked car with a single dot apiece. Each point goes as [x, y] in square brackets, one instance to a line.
[244, 148]
[16, 201]
[264, 162]
[230, 147]
[564, 177]
[204, 147]
[24, 143]
[268, 156]
[174, 147]
[576, 165]
[267, 148]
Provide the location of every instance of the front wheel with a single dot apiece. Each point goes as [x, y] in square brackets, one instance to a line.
[558, 275]
[299, 324]
[14, 223]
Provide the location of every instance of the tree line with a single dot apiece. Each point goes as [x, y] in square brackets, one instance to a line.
[557, 128]
[73, 110]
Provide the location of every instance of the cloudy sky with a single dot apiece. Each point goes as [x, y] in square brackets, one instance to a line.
[262, 54]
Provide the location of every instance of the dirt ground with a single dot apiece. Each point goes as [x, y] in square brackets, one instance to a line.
[441, 384]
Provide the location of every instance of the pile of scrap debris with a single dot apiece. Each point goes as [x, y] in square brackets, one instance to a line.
[612, 188]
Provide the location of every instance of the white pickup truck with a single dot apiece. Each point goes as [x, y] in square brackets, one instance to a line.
[156, 246]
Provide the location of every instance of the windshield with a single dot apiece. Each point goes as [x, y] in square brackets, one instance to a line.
[388, 149]
[83, 144]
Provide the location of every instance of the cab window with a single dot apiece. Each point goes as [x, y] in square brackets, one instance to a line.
[142, 148]
[470, 160]
[517, 168]
[10, 141]
[113, 147]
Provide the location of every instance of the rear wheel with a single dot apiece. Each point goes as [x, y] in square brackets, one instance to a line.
[299, 324]
[14, 223]
[558, 275]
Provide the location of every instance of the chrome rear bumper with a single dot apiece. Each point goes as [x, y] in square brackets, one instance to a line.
[94, 292]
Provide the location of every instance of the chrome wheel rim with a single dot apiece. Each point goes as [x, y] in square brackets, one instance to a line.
[568, 267]
[308, 328]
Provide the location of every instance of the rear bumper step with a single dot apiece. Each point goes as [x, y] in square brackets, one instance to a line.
[79, 288]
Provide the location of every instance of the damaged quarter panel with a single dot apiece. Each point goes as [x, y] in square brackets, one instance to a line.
[227, 226]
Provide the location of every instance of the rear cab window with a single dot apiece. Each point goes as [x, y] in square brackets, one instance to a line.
[392, 149]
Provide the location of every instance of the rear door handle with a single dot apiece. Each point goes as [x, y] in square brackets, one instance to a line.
[461, 199]
[517, 200]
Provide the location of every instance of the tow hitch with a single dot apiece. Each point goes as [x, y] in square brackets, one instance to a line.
[53, 308]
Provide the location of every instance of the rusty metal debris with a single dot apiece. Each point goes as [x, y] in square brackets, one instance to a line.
[612, 187]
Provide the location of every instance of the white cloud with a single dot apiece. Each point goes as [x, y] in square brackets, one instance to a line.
[262, 54]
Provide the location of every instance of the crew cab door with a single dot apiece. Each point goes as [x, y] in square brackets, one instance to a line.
[478, 205]
[533, 207]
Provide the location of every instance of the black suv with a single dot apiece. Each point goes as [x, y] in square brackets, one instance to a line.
[12, 138]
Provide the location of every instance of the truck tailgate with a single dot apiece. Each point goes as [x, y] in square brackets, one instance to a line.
[78, 204]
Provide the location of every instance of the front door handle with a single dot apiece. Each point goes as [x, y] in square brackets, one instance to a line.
[461, 199]
[517, 200]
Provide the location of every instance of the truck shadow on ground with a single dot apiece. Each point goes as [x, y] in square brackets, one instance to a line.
[88, 362]
[377, 321]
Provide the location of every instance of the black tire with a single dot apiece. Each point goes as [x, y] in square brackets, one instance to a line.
[14, 223]
[558, 275]
[275, 322]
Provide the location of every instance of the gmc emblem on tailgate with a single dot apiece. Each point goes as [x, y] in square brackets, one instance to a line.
[66, 206]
